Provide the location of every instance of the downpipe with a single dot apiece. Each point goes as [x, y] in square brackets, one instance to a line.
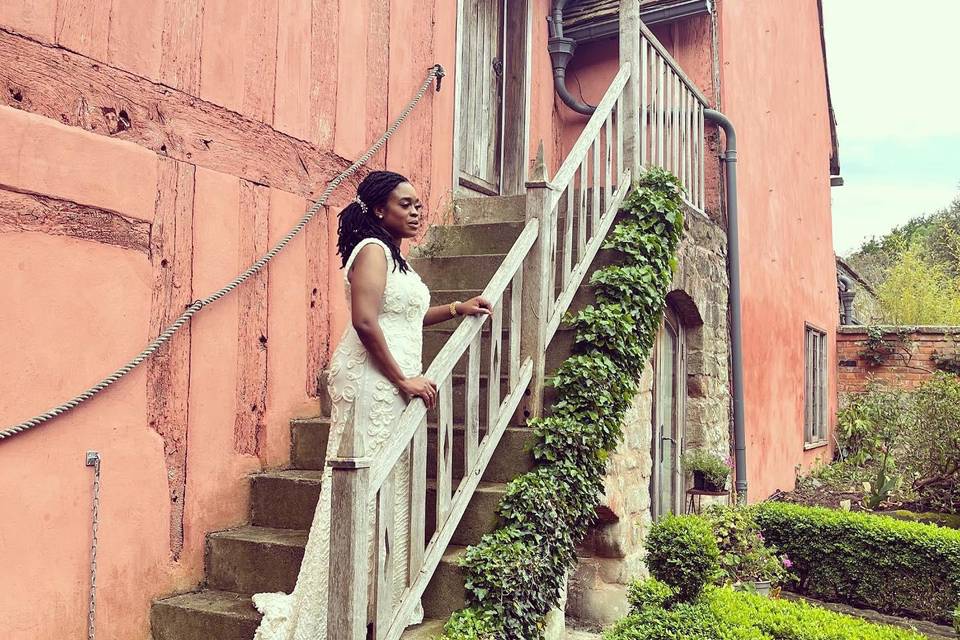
[729, 157]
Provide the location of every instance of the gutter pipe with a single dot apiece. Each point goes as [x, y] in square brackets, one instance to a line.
[729, 156]
[561, 52]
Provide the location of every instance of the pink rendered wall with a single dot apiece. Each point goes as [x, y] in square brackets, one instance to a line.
[773, 90]
[153, 150]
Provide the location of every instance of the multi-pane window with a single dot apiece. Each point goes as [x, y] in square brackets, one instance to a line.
[815, 386]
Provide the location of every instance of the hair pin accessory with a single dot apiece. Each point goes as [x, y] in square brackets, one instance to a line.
[363, 205]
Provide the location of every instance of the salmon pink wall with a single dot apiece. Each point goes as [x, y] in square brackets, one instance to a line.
[154, 151]
[773, 90]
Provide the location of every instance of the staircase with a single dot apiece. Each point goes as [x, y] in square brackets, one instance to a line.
[265, 554]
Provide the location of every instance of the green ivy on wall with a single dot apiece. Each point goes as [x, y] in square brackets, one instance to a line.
[515, 575]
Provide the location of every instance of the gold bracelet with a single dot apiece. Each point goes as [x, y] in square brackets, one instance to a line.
[453, 308]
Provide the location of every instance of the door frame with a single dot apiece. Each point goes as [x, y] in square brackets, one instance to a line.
[515, 135]
[679, 404]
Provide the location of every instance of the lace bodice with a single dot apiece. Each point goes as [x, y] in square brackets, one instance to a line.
[405, 303]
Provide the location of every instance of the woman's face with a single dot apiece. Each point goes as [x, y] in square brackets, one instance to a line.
[400, 215]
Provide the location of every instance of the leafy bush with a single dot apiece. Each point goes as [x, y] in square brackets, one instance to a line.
[649, 593]
[682, 552]
[713, 468]
[725, 614]
[918, 291]
[868, 560]
[745, 556]
[514, 575]
[931, 443]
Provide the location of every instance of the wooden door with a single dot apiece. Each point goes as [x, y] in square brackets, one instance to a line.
[666, 485]
[480, 116]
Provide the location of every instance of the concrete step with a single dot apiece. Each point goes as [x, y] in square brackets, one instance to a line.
[308, 442]
[479, 518]
[204, 615]
[222, 615]
[285, 499]
[252, 559]
[490, 209]
[470, 239]
[475, 271]
[445, 592]
[434, 340]
[511, 457]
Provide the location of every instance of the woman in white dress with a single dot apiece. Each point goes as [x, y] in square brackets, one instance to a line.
[374, 372]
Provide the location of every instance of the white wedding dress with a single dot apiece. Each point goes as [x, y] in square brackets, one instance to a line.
[361, 393]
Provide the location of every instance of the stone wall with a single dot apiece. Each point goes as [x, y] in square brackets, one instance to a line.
[903, 357]
[612, 555]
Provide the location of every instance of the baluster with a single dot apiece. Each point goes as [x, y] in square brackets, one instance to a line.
[621, 123]
[350, 471]
[384, 567]
[694, 176]
[608, 162]
[418, 500]
[595, 213]
[567, 238]
[472, 427]
[582, 211]
[688, 147]
[493, 381]
[675, 116]
[661, 80]
[701, 141]
[516, 309]
[536, 299]
[555, 258]
[444, 451]
[684, 177]
[644, 81]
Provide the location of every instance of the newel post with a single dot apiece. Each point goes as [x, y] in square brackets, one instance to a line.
[536, 293]
[347, 603]
[630, 54]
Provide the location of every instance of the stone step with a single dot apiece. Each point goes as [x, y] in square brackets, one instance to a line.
[490, 209]
[285, 499]
[308, 442]
[434, 340]
[470, 239]
[252, 559]
[479, 518]
[511, 457]
[204, 615]
[475, 271]
[222, 615]
[445, 592]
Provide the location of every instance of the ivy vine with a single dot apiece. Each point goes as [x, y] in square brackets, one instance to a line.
[515, 575]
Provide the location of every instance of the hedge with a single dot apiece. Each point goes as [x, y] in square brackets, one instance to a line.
[868, 560]
[725, 614]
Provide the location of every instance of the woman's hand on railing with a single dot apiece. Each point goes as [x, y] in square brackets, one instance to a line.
[476, 306]
[420, 387]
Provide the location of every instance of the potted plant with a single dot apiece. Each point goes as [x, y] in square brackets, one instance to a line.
[747, 562]
[710, 472]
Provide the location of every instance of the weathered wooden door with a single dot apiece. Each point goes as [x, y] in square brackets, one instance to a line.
[481, 84]
[666, 486]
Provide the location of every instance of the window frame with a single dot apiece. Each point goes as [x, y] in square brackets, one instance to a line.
[815, 386]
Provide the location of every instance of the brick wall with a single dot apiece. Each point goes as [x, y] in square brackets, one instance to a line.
[904, 357]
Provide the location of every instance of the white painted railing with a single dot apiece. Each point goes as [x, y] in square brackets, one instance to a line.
[671, 118]
[585, 187]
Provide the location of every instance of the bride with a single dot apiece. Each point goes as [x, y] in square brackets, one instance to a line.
[374, 372]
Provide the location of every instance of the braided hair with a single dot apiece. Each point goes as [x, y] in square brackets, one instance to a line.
[358, 222]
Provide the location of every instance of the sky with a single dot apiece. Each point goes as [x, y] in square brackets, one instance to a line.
[895, 82]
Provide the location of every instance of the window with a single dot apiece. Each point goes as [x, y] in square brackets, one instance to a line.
[815, 387]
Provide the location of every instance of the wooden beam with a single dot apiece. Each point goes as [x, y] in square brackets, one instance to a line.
[81, 92]
[31, 212]
[318, 304]
[252, 326]
[168, 371]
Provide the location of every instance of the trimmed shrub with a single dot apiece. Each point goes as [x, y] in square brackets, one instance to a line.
[649, 593]
[868, 560]
[682, 552]
[725, 614]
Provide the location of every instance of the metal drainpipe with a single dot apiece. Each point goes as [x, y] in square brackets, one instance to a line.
[561, 52]
[736, 327]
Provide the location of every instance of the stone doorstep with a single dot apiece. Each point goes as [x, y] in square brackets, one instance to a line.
[927, 628]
